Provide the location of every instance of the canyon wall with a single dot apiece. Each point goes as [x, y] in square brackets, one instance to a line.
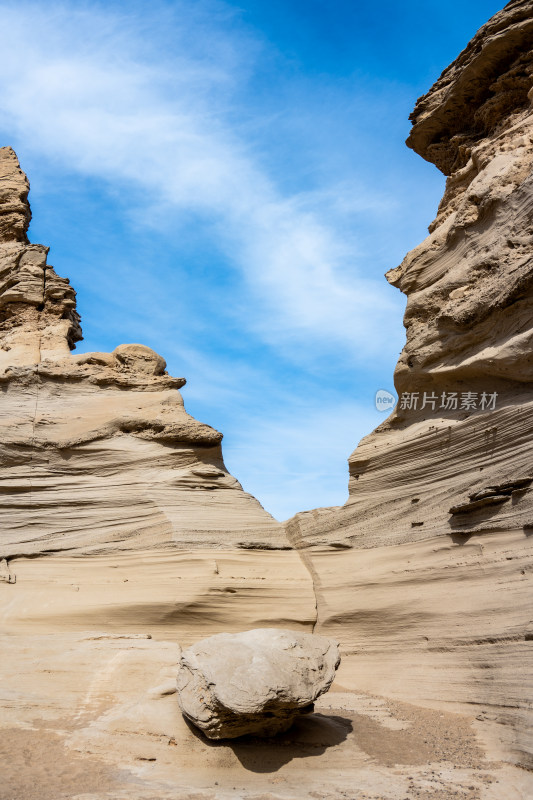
[97, 450]
[124, 536]
[99, 460]
[425, 574]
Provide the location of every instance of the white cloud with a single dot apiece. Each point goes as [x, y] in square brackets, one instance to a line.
[91, 92]
[160, 108]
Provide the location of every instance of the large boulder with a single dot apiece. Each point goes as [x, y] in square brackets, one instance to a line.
[255, 682]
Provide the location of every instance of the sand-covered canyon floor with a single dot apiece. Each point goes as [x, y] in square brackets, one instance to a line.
[90, 715]
[90, 646]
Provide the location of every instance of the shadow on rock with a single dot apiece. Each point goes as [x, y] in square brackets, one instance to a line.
[466, 525]
[311, 735]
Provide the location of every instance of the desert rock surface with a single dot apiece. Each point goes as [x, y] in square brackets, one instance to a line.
[124, 538]
[431, 580]
[98, 452]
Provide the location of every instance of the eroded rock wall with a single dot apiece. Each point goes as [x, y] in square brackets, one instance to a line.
[97, 450]
[426, 574]
[116, 507]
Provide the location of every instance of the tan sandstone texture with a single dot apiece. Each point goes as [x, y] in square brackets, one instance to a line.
[97, 449]
[124, 537]
[431, 582]
[257, 682]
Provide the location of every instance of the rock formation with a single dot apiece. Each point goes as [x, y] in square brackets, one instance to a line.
[257, 682]
[99, 458]
[97, 449]
[434, 542]
[123, 534]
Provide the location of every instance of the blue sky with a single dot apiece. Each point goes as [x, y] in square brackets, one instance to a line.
[227, 183]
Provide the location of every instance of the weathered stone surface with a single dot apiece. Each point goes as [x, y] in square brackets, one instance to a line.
[436, 606]
[483, 502]
[475, 96]
[431, 610]
[15, 212]
[38, 317]
[255, 682]
[97, 451]
[470, 283]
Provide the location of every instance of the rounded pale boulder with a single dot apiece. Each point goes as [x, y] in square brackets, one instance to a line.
[256, 682]
[139, 358]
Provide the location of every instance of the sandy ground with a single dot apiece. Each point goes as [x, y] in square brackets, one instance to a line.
[90, 715]
[90, 646]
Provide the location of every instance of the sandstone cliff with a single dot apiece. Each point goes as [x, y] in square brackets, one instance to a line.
[117, 508]
[96, 449]
[425, 574]
[124, 534]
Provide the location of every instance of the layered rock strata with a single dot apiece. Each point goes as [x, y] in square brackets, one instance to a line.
[97, 450]
[117, 508]
[425, 575]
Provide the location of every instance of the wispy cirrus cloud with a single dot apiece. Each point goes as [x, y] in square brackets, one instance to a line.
[168, 122]
[225, 229]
